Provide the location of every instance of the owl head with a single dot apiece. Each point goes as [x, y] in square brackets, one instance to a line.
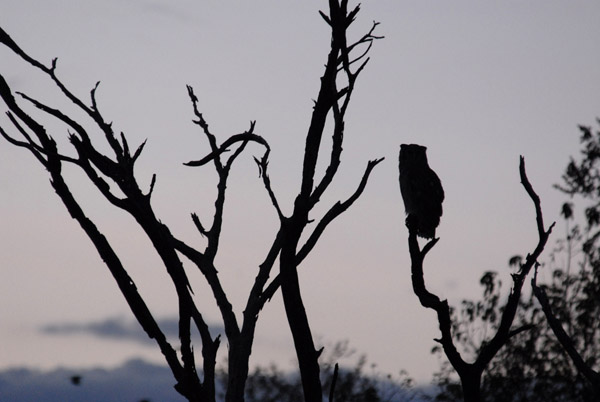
[413, 155]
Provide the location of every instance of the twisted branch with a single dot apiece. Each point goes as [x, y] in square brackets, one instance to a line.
[470, 373]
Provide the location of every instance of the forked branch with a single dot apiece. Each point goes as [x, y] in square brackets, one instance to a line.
[470, 373]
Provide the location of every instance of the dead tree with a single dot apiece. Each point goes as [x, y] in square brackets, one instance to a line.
[470, 372]
[108, 171]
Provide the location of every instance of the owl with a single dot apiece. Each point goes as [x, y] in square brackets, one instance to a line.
[421, 190]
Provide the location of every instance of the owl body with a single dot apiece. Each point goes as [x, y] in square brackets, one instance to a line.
[421, 190]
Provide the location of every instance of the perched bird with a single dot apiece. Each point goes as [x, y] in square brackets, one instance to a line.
[421, 190]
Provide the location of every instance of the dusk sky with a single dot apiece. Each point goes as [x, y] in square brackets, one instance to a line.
[478, 83]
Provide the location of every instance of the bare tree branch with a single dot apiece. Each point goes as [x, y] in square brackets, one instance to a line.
[34, 148]
[212, 140]
[245, 137]
[107, 171]
[336, 210]
[124, 281]
[470, 373]
[565, 340]
[339, 19]
[491, 348]
[263, 164]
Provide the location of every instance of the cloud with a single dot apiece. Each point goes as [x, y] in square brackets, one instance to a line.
[134, 381]
[118, 328]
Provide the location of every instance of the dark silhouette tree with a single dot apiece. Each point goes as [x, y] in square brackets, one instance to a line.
[470, 373]
[556, 359]
[112, 174]
[582, 318]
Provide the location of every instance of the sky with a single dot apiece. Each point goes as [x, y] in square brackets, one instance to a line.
[478, 83]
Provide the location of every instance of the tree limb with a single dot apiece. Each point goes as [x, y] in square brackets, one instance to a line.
[490, 349]
[565, 340]
[292, 227]
[470, 373]
[336, 210]
[126, 284]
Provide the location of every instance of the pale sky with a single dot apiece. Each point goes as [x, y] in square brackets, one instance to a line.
[478, 83]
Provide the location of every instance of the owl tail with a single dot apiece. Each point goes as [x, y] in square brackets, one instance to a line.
[426, 234]
[427, 227]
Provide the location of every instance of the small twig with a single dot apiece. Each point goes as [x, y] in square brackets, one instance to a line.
[34, 148]
[333, 383]
[263, 164]
[59, 115]
[247, 136]
[212, 140]
[522, 328]
[198, 225]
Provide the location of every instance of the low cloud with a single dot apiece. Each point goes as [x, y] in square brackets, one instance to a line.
[118, 328]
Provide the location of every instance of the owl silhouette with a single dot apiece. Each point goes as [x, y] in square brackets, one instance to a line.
[421, 190]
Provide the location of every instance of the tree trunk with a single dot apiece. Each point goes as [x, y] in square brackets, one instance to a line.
[471, 387]
[239, 356]
[298, 321]
[305, 349]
